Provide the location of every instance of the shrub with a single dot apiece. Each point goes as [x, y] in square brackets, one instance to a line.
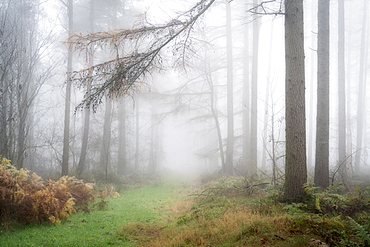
[26, 198]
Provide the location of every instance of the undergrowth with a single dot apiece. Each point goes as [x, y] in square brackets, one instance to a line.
[227, 211]
[231, 212]
[25, 197]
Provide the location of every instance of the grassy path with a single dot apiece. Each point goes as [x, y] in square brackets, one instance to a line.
[223, 214]
[99, 227]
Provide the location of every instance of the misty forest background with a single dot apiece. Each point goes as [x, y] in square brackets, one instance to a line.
[215, 103]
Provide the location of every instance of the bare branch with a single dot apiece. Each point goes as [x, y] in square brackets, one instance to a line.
[137, 53]
[270, 7]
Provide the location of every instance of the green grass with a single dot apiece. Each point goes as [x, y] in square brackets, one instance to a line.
[99, 227]
[222, 213]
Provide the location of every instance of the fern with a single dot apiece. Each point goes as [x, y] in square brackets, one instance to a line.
[330, 202]
[361, 232]
[26, 198]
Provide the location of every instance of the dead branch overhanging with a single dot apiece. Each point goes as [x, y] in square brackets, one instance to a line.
[119, 75]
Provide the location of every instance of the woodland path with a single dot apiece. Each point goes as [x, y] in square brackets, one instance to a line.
[101, 227]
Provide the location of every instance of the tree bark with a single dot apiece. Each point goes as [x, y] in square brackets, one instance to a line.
[295, 163]
[122, 156]
[105, 149]
[86, 126]
[218, 130]
[153, 142]
[213, 100]
[21, 135]
[229, 165]
[246, 103]
[349, 98]
[67, 109]
[311, 101]
[266, 110]
[341, 92]
[137, 133]
[322, 120]
[361, 98]
[252, 165]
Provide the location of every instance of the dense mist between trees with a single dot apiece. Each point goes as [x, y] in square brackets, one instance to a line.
[81, 95]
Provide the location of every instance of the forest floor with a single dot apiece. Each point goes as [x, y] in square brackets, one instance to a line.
[222, 212]
[101, 227]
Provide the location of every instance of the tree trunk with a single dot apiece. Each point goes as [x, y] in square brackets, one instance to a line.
[322, 119]
[246, 103]
[67, 109]
[104, 153]
[361, 89]
[252, 166]
[311, 100]
[122, 159]
[7, 58]
[214, 110]
[295, 163]
[341, 92]
[137, 134]
[153, 142]
[86, 126]
[11, 130]
[4, 149]
[85, 137]
[217, 123]
[349, 100]
[266, 110]
[21, 135]
[229, 165]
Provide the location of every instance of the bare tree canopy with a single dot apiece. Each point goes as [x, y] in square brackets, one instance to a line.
[136, 51]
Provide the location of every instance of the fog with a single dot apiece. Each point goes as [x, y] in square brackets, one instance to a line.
[175, 117]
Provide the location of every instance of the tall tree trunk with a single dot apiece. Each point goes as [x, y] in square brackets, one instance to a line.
[24, 84]
[246, 103]
[4, 97]
[341, 92]
[11, 131]
[295, 163]
[362, 88]
[4, 92]
[229, 165]
[21, 135]
[20, 94]
[105, 149]
[265, 126]
[349, 100]
[217, 122]
[254, 95]
[266, 110]
[85, 137]
[86, 126]
[153, 142]
[322, 121]
[4, 149]
[122, 168]
[311, 101]
[137, 134]
[122, 156]
[214, 111]
[273, 148]
[67, 109]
